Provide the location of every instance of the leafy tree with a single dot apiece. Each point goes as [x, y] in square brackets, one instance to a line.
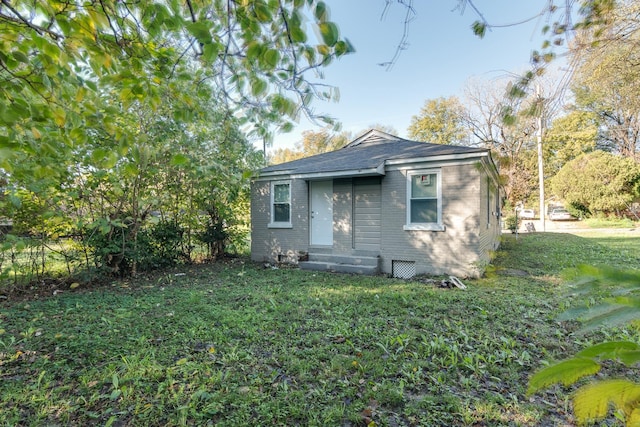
[592, 401]
[568, 137]
[321, 142]
[103, 106]
[283, 155]
[255, 51]
[440, 121]
[598, 181]
[608, 85]
[312, 143]
[608, 76]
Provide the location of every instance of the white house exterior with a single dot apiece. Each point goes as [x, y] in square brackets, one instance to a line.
[381, 204]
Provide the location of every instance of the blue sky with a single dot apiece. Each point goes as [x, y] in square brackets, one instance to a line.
[441, 56]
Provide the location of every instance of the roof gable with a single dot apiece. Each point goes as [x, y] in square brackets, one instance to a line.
[373, 135]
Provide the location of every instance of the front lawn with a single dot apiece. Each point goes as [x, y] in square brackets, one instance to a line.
[235, 343]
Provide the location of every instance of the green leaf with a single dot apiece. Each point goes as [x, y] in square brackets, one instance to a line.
[591, 402]
[329, 32]
[629, 357]
[321, 12]
[262, 11]
[254, 50]
[271, 58]
[479, 28]
[609, 315]
[608, 350]
[343, 47]
[20, 57]
[210, 51]
[179, 159]
[15, 200]
[201, 31]
[566, 372]
[295, 28]
[258, 87]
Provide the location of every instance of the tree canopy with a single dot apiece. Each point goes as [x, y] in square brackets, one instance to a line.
[598, 182]
[58, 60]
[312, 143]
[122, 121]
[440, 121]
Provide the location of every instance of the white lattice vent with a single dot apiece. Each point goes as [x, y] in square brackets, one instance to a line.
[403, 269]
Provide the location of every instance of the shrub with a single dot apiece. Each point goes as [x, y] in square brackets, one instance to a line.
[512, 223]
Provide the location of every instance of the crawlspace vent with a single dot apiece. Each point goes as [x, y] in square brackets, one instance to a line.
[403, 269]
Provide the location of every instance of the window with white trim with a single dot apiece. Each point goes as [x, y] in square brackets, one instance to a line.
[280, 204]
[424, 200]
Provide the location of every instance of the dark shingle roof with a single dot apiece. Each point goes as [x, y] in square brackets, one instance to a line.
[370, 151]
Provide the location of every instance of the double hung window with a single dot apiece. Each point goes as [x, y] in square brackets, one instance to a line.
[281, 204]
[424, 200]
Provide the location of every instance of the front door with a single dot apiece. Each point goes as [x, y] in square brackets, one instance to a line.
[321, 212]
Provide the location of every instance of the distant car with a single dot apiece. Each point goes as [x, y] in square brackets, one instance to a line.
[560, 214]
[527, 214]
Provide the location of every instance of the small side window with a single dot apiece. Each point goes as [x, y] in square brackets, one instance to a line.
[280, 204]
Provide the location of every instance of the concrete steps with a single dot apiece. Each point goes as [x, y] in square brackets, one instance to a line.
[365, 264]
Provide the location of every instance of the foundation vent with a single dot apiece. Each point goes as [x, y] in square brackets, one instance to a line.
[403, 269]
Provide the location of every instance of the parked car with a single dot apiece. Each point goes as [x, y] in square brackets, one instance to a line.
[560, 214]
[527, 214]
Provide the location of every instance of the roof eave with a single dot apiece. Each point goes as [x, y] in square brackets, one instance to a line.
[349, 173]
[437, 158]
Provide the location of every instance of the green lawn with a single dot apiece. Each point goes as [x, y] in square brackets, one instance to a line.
[235, 344]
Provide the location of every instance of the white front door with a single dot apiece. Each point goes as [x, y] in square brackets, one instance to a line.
[321, 212]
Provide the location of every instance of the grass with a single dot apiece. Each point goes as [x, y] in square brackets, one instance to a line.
[601, 222]
[234, 344]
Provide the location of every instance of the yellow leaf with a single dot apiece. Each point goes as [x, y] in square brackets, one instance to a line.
[36, 133]
[74, 285]
[591, 402]
[60, 117]
[2, 331]
[80, 94]
[181, 361]
[633, 420]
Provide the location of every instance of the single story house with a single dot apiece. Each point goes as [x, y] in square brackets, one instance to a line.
[381, 204]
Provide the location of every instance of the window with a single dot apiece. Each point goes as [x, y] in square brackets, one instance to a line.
[280, 204]
[424, 201]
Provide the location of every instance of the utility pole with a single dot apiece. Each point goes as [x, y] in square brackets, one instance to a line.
[540, 112]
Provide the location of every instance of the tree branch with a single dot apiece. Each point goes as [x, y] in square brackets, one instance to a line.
[19, 19]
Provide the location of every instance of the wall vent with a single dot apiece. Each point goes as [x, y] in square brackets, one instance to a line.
[403, 269]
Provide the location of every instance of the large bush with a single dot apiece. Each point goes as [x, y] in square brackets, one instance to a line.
[599, 182]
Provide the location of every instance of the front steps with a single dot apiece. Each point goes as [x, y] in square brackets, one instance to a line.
[365, 263]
